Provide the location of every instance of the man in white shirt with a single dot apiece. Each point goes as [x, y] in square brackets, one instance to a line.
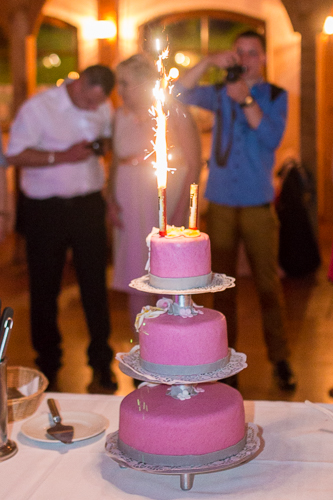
[53, 141]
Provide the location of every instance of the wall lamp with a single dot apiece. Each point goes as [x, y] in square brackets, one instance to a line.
[328, 26]
[100, 30]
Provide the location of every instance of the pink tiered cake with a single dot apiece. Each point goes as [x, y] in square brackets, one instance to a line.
[181, 425]
[158, 429]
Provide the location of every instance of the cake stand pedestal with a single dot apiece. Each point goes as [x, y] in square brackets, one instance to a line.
[187, 474]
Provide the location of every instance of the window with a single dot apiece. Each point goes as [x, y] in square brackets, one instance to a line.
[194, 34]
[56, 51]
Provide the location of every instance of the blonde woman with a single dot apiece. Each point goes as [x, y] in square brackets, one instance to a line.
[133, 202]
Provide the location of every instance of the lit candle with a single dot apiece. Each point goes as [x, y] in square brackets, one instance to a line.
[193, 220]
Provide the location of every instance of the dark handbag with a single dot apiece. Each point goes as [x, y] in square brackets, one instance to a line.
[298, 247]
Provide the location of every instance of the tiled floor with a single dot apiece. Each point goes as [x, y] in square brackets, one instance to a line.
[310, 325]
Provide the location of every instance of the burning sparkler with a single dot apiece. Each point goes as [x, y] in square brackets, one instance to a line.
[160, 145]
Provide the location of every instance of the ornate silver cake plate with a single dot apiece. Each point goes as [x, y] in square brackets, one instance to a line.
[219, 283]
[129, 363]
[187, 474]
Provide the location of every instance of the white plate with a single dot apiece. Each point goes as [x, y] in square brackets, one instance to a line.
[86, 425]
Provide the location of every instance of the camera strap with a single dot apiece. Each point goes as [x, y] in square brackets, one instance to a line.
[221, 157]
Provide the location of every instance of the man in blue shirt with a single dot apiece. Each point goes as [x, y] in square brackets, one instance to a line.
[250, 118]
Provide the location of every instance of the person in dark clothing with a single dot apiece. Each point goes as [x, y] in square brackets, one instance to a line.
[51, 141]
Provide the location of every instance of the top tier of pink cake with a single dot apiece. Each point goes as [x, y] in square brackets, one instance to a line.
[180, 257]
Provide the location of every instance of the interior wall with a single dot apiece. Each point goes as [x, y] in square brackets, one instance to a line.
[132, 14]
[77, 14]
[324, 127]
[286, 74]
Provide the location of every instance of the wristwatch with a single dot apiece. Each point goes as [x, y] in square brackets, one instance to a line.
[51, 158]
[248, 101]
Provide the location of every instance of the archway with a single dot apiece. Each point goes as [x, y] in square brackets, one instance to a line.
[190, 36]
[324, 76]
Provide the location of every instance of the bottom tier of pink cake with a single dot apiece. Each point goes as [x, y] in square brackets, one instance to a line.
[158, 429]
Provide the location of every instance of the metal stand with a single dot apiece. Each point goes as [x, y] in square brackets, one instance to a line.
[183, 298]
[7, 448]
[187, 474]
[186, 481]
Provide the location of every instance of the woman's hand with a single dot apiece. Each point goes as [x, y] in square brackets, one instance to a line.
[114, 214]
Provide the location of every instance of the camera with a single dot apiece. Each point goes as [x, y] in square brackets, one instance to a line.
[235, 72]
[97, 147]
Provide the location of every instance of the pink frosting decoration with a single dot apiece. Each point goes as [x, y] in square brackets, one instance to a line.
[152, 422]
[180, 257]
[173, 340]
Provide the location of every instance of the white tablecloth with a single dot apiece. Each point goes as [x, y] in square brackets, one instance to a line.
[296, 461]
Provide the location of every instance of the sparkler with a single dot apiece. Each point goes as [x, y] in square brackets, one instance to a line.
[160, 145]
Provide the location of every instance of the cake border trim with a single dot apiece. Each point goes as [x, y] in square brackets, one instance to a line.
[253, 443]
[219, 283]
[129, 363]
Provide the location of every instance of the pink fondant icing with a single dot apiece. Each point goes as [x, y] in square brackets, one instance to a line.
[180, 257]
[173, 340]
[152, 422]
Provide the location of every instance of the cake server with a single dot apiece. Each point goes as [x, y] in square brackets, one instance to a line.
[6, 324]
[63, 433]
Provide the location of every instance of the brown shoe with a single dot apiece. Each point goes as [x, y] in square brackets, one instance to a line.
[103, 382]
[284, 376]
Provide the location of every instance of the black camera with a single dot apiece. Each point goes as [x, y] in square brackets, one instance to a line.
[234, 72]
[97, 147]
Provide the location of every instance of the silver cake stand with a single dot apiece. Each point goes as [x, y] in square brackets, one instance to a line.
[129, 363]
[219, 283]
[187, 474]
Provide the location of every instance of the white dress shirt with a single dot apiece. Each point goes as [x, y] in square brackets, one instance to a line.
[49, 121]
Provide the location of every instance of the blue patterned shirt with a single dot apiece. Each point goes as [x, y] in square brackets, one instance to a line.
[249, 154]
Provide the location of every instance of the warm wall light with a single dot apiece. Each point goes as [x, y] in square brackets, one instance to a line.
[128, 30]
[179, 58]
[174, 73]
[73, 75]
[99, 30]
[328, 25]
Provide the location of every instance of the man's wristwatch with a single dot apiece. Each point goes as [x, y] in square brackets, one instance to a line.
[51, 158]
[248, 101]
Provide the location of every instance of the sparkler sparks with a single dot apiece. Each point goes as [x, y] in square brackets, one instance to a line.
[160, 147]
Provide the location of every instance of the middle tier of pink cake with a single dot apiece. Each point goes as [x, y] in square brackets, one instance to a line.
[172, 345]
